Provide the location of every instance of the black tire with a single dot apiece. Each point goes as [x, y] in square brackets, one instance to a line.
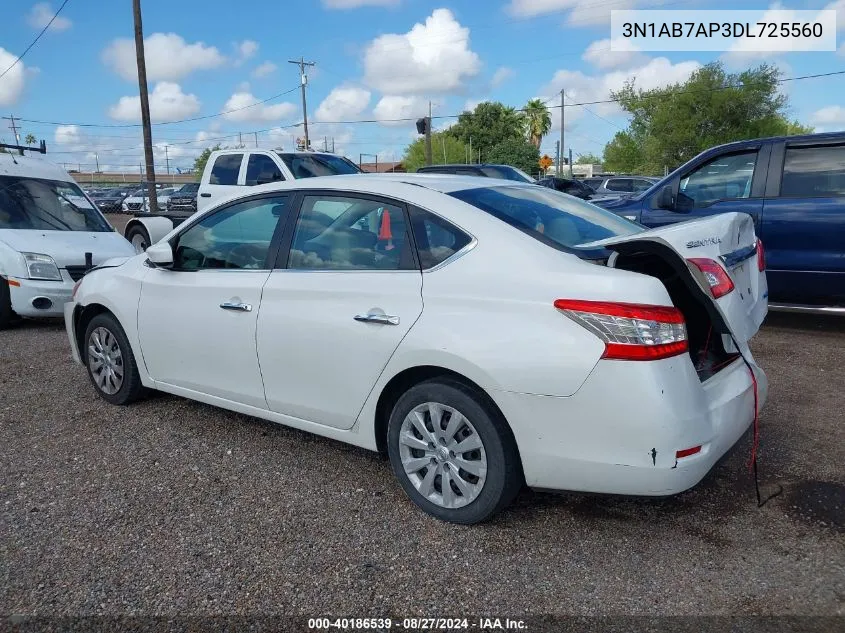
[7, 315]
[137, 234]
[131, 388]
[504, 477]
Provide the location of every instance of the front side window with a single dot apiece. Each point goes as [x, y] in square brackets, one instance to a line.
[547, 215]
[237, 237]
[722, 178]
[47, 205]
[814, 172]
[642, 185]
[619, 184]
[340, 233]
[506, 172]
[311, 165]
[261, 169]
[226, 169]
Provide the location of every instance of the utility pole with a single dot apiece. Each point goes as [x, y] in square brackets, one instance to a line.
[333, 145]
[97, 159]
[557, 156]
[145, 105]
[428, 136]
[470, 149]
[167, 159]
[559, 163]
[303, 80]
[256, 138]
[570, 162]
[14, 128]
[325, 143]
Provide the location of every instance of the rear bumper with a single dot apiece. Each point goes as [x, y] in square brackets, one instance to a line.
[620, 432]
[29, 291]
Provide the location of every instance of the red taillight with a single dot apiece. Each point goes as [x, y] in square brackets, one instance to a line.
[630, 331]
[717, 277]
[761, 256]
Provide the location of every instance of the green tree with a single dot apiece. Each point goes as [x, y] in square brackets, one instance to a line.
[516, 152]
[538, 121]
[202, 159]
[671, 125]
[30, 139]
[588, 159]
[456, 151]
[490, 123]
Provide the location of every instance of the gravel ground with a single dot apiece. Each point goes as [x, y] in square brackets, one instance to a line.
[174, 507]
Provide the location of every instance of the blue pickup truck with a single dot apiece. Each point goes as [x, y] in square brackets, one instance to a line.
[793, 187]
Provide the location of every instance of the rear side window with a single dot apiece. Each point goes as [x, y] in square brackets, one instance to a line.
[261, 169]
[814, 172]
[436, 239]
[225, 170]
[618, 184]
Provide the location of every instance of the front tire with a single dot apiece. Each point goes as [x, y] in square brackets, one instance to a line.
[110, 362]
[139, 237]
[452, 452]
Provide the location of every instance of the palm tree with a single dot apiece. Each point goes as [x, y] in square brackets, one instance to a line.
[538, 121]
[30, 139]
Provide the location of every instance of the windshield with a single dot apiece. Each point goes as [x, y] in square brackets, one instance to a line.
[549, 216]
[47, 205]
[507, 173]
[311, 165]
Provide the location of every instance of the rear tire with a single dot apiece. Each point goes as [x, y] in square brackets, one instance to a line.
[139, 237]
[110, 362]
[452, 452]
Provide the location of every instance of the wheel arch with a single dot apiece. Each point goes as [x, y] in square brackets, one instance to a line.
[156, 227]
[407, 378]
[82, 316]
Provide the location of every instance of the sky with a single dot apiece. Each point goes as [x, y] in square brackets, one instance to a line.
[376, 60]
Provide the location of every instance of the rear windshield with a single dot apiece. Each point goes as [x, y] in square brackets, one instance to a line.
[549, 216]
[47, 205]
[507, 173]
[311, 165]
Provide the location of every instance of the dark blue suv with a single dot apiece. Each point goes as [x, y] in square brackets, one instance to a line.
[793, 187]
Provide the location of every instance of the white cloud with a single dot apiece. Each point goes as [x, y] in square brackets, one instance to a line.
[68, 135]
[657, 73]
[399, 107]
[262, 70]
[501, 75]
[431, 57]
[343, 102]
[354, 4]
[249, 109]
[470, 105]
[169, 57]
[831, 117]
[246, 50]
[579, 12]
[625, 54]
[12, 83]
[42, 13]
[167, 103]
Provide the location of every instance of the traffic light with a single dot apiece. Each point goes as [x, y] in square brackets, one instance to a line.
[422, 125]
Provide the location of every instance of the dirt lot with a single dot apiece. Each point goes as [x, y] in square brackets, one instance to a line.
[174, 507]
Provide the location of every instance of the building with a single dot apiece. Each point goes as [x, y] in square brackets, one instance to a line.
[387, 167]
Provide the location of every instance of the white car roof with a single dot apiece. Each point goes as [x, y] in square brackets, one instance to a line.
[31, 167]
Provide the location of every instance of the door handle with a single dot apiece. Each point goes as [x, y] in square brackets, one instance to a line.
[371, 317]
[205, 195]
[236, 307]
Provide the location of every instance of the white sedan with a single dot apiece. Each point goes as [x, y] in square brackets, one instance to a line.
[485, 334]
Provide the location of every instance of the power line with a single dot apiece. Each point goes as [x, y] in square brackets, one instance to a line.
[137, 125]
[37, 37]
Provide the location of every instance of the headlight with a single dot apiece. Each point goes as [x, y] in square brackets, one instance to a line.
[41, 267]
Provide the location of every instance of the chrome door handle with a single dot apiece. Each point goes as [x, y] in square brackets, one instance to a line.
[371, 317]
[237, 307]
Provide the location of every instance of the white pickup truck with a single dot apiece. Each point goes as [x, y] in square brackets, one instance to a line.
[230, 170]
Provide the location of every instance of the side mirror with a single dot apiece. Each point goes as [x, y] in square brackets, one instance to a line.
[664, 199]
[160, 254]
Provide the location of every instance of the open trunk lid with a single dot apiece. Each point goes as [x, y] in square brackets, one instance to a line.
[727, 239]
